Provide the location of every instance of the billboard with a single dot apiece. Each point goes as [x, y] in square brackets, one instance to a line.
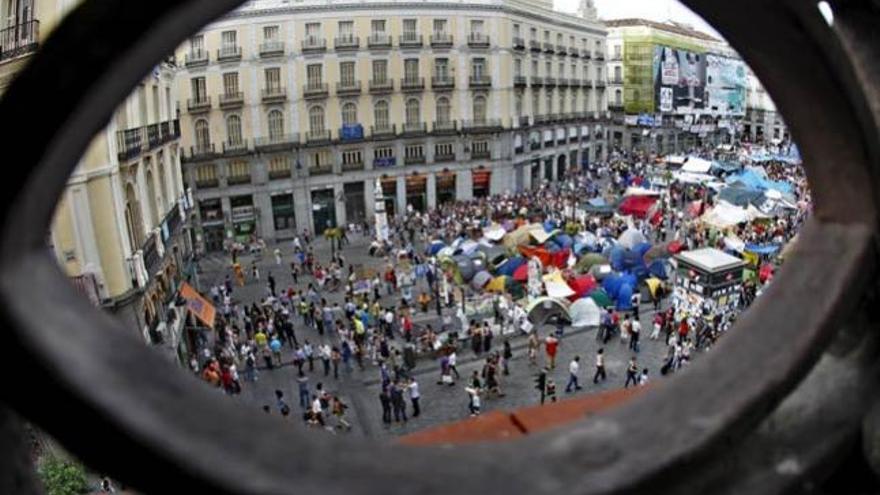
[679, 80]
[725, 85]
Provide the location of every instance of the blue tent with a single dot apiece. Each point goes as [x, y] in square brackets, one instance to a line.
[510, 266]
[563, 240]
[659, 268]
[762, 249]
[642, 248]
[752, 180]
[624, 298]
[549, 226]
[434, 248]
[613, 284]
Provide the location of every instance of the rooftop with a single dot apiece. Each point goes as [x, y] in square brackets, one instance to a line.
[669, 26]
[710, 259]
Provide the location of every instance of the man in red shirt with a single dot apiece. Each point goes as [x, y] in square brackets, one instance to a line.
[551, 345]
[683, 329]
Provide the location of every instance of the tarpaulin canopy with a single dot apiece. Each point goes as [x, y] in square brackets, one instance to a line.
[696, 165]
[653, 284]
[198, 305]
[756, 178]
[741, 196]
[558, 289]
[660, 268]
[630, 238]
[725, 166]
[598, 206]
[597, 201]
[543, 309]
[734, 243]
[521, 274]
[725, 215]
[637, 206]
[584, 313]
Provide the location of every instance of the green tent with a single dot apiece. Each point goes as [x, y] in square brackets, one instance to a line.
[587, 261]
[602, 299]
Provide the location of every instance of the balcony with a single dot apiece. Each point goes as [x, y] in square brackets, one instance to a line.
[207, 183]
[414, 129]
[153, 140]
[481, 154]
[587, 54]
[272, 49]
[599, 56]
[283, 173]
[444, 157]
[524, 121]
[198, 105]
[615, 107]
[574, 52]
[561, 50]
[535, 145]
[410, 40]
[196, 58]
[534, 46]
[519, 43]
[615, 80]
[322, 170]
[353, 167]
[478, 40]
[129, 143]
[537, 81]
[441, 40]
[480, 82]
[274, 95]
[316, 90]
[383, 131]
[234, 180]
[414, 160]
[442, 82]
[314, 44]
[412, 84]
[585, 83]
[317, 137]
[617, 57]
[445, 127]
[280, 142]
[519, 81]
[481, 125]
[229, 54]
[381, 86]
[548, 47]
[347, 43]
[542, 119]
[550, 82]
[202, 152]
[379, 41]
[231, 100]
[19, 39]
[562, 82]
[236, 149]
[599, 84]
[348, 88]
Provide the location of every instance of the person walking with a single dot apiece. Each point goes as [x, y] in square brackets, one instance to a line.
[643, 380]
[632, 373]
[325, 353]
[600, 367]
[573, 370]
[398, 404]
[533, 349]
[414, 396]
[385, 401]
[507, 355]
[302, 382]
[551, 346]
[541, 383]
[635, 331]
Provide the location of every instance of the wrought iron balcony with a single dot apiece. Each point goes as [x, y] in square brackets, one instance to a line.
[478, 40]
[537, 81]
[480, 81]
[348, 88]
[574, 52]
[414, 128]
[550, 82]
[445, 127]
[316, 90]
[387, 131]
[562, 82]
[479, 154]
[322, 170]
[561, 50]
[236, 148]
[520, 81]
[410, 40]
[615, 107]
[412, 84]
[542, 119]
[231, 100]
[441, 40]
[19, 39]
[599, 84]
[234, 180]
[318, 137]
[196, 58]
[519, 43]
[548, 47]
[314, 44]
[381, 86]
[346, 43]
[587, 54]
[229, 54]
[442, 82]
[444, 157]
[353, 167]
[480, 125]
[274, 95]
[198, 105]
[202, 152]
[379, 40]
[599, 55]
[534, 45]
[586, 83]
[524, 121]
[271, 49]
[277, 142]
[414, 160]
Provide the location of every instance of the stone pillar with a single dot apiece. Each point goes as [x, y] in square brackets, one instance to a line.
[338, 194]
[432, 191]
[370, 199]
[401, 194]
[503, 179]
[263, 202]
[464, 185]
[302, 206]
[527, 175]
[226, 206]
[554, 168]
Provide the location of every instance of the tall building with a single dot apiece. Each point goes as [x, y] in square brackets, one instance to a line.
[762, 123]
[291, 111]
[672, 87]
[118, 229]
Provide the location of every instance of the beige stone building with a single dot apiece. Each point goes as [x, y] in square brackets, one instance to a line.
[291, 110]
[118, 231]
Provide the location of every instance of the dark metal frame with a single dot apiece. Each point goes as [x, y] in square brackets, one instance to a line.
[726, 425]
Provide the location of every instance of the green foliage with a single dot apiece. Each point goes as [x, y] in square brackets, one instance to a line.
[61, 477]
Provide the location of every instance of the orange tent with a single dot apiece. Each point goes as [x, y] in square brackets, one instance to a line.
[537, 252]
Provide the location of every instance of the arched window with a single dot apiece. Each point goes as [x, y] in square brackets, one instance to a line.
[276, 125]
[233, 130]
[479, 108]
[413, 113]
[443, 110]
[380, 115]
[316, 119]
[203, 135]
[349, 114]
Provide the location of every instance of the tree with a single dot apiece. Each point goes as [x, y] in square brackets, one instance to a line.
[62, 477]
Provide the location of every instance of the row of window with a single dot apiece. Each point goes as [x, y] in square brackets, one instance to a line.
[533, 36]
[548, 69]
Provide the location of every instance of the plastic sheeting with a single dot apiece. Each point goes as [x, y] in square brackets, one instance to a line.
[585, 313]
[725, 215]
[435, 247]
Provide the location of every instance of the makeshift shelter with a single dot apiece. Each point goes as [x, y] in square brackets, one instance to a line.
[696, 165]
[637, 206]
[434, 247]
[600, 272]
[741, 196]
[587, 262]
[653, 285]
[725, 215]
[584, 313]
[495, 256]
[598, 206]
[465, 268]
[468, 247]
[521, 274]
[601, 298]
[559, 290]
[563, 240]
[540, 235]
[582, 285]
[542, 309]
[510, 265]
[537, 252]
[520, 236]
[499, 284]
[480, 280]
[585, 241]
[762, 249]
[630, 238]
[494, 232]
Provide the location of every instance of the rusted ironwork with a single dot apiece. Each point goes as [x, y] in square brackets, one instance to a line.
[743, 420]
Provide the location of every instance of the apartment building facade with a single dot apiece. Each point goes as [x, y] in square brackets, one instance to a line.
[292, 111]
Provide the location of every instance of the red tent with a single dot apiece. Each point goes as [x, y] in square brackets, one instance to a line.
[521, 274]
[537, 252]
[637, 206]
[582, 286]
[675, 247]
[765, 273]
[560, 258]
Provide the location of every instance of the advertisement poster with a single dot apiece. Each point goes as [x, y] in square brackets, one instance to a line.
[683, 74]
[725, 85]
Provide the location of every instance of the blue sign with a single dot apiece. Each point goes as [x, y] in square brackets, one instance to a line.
[385, 162]
[351, 132]
[645, 120]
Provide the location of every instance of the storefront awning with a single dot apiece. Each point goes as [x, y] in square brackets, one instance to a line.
[198, 305]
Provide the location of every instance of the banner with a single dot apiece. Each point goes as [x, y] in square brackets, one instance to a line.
[666, 99]
[679, 75]
[725, 85]
[198, 305]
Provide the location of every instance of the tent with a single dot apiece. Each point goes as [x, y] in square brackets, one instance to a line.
[765, 273]
[601, 298]
[494, 232]
[600, 272]
[598, 206]
[724, 166]
[585, 241]
[637, 206]
[564, 240]
[584, 313]
[588, 260]
[519, 236]
[543, 309]
[583, 285]
[468, 247]
[510, 266]
[660, 268]
[559, 290]
[756, 178]
[481, 279]
[741, 196]
[630, 238]
[495, 255]
[696, 165]
[434, 247]
[499, 284]
[537, 252]
[539, 235]
[465, 267]
[521, 274]
[725, 215]
[653, 284]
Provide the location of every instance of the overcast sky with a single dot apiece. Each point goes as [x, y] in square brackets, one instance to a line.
[655, 10]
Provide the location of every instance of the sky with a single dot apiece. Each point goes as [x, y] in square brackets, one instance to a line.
[655, 10]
